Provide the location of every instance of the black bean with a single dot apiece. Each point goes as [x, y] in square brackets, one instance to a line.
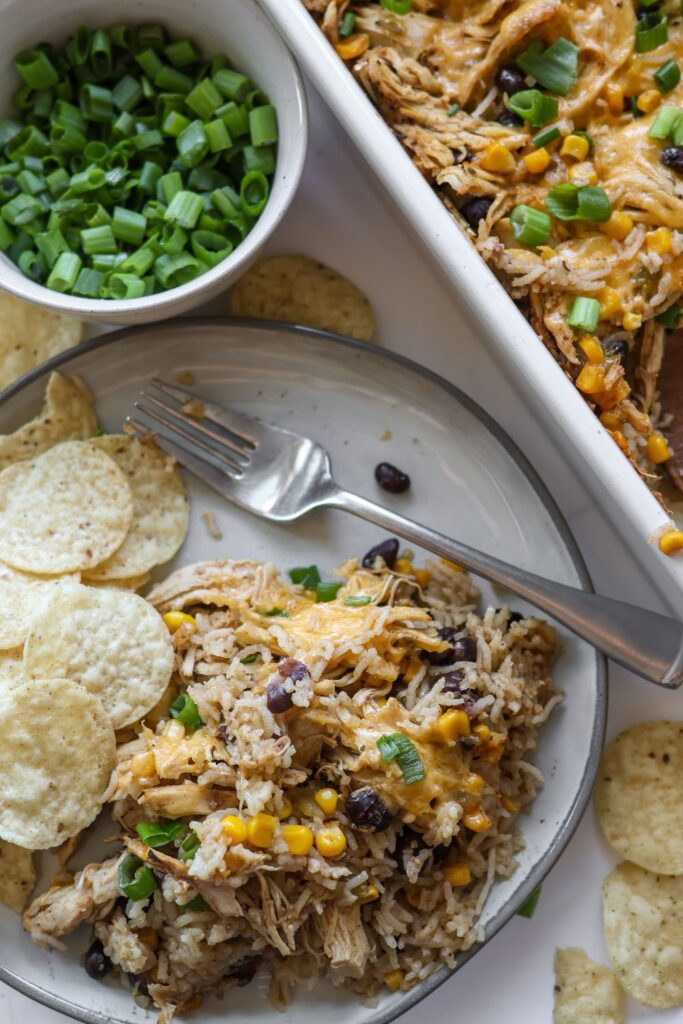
[453, 684]
[513, 617]
[96, 963]
[510, 80]
[465, 649]
[387, 549]
[509, 119]
[475, 210]
[391, 479]
[672, 157]
[617, 349]
[443, 657]
[244, 971]
[139, 984]
[367, 810]
[278, 699]
[292, 669]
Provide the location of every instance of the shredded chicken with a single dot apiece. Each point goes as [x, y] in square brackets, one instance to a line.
[62, 908]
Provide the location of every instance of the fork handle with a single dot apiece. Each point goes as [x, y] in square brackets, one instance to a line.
[647, 643]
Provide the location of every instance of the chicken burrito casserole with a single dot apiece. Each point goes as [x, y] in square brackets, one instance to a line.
[328, 787]
[553, 132]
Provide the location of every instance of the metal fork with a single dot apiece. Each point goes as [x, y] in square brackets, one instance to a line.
[280, 475]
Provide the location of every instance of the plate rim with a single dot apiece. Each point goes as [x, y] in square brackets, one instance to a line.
[573, 818]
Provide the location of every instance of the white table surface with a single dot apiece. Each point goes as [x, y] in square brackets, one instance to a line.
[342, 217]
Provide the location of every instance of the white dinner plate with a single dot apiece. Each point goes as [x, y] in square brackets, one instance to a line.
[468, 479]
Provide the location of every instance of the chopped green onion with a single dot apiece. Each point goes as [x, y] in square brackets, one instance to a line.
[189, 846]
[136, 879]
[232, 85]
[20, 210]
[254, 191]
[204, 99]
[65, 271]
[545, 137]
[210, 247]
[7, 236]
[218, 135]
[185, 710]
[651, 31]
[306, 575]
[99, 241]
[125, 286]
[357, 600]
[184, 209]
[101, 59]
[127, 93]
[159, 833]
[528, 908]
[36, 68]
[397, 6]
[150, 63]
[88, 283]
[398, 747]
[32, 265]
[671, 317]
[173, 81]
[554, 67]
[193, 144]
[348, 23]
[51, 244]
[249, 660]
[195, 905]
[453, 110]
[263, 126]
[534, 107]
[530, 226]
[584, 314]
[181, 53]
[274, 613]
[664, 123]
[667, 76]
[261, 159]
[97, 103]
[78, 46]
[174, 123]
[326, 591]
[152, 36]
[585, 202]
[236, 119]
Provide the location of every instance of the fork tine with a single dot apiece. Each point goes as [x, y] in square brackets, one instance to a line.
[241, 426]
[217, 459]
[196, 424]
[216, 479]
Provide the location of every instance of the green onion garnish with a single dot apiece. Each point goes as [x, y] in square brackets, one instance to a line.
[651, 31]
[196, 904]
[667, 76]
[307, 575]
[528, 908]
[671, 317]
[136, 880]
[186, 711]
[326, 591]
[584, 202]
[274, 613]
[398, 747]
[159, 833]
[397, 6]
[667, 119]
[530, 226]
[453, 109]
[249, 660]
[554, 67]
[357, 600]
[584, 314]
[534, 107]
[545, 137]
[348, 23]
[189, 846]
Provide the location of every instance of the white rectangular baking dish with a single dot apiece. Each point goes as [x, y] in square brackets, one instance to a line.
[635, 513]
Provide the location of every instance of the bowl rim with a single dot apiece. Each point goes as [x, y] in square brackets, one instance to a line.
[566, 830]
[163, 302]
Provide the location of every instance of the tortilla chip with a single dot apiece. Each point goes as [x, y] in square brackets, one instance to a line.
[66, 415]
[66, 510]
[57, 752]
[17, 875]
[20, 593]
[161, 508]
[643, 915]
[111, 642]
[639, 796]
[300, 290]
[585, 992]
[11, 669]
[130, 583]
[30, 334]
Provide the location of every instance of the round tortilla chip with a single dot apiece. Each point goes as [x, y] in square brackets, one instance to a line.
[161, 508]
[11, 669]
[66, 415]
[20, 593]
[639, 796]
[129, 583]
[110, 641]
[585, 991]
[300, 290]
[30, 334]
[643, 915]
[68, 509]
[57, 752]
[17, 875]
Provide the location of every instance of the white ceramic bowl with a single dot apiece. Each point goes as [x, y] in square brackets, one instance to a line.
[237, 28]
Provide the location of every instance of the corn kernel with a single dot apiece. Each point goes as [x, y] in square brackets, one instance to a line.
[576, 147]
[614, 95]
[452, 724]
[619, 226]
[498, 159]
[174, 620]
[648, 101]
[403, 565]
[354, 46]
[510, 803]
[477, 820]
[412, 893]
[538, 161]
[671, 541]
[148, 937]
[590, 379]
[592, 349]
[457, 874]
[286, 809]
[234, 828]
[610, 303]
[473, 783]
[452, 565]
[657, 448]
[610, 420]
[330, 841]
[483, 733]
[659, 241]
[631, 321]
[174, 729]
[394, 980]
[546, 252]
[299, 839]
[367, 893]
[261, 829]
[326, 800]
[143, 765]
[422, 576]
[583, 174]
